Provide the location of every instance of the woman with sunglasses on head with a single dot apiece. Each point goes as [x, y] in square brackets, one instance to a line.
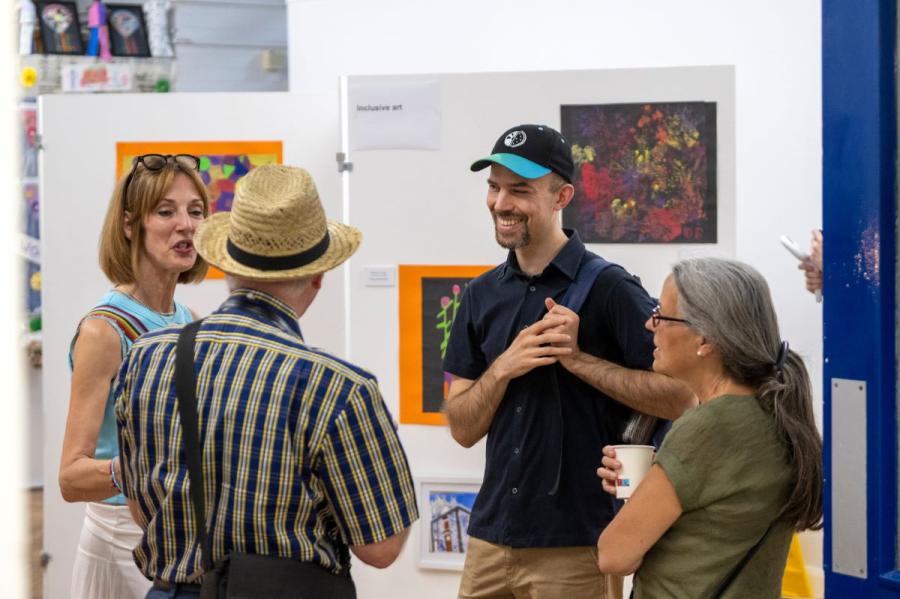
[738, 474]
[146, 248]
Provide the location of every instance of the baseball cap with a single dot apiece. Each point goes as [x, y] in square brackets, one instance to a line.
[531, 151]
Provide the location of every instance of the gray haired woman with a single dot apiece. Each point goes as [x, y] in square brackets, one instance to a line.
[737, 474]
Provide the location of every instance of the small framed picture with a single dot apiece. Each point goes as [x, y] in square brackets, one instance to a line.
[60, 29]
[127, 30]
[446, 505]
[430, 297]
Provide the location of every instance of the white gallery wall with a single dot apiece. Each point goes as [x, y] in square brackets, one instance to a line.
[775, 48]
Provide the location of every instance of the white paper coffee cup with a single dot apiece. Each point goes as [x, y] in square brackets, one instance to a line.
[636, 461]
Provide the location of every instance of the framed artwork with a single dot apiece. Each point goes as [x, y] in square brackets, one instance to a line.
[222, 163]
[31, 209]
[29, 155]
[429, 300]
[446, 505]
[60, 29]
[644, 173]
[127, 30]
[30, 248]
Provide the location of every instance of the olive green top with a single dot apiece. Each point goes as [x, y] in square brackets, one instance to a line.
[732, 477]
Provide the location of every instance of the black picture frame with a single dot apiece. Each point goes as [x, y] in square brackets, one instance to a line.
[52, 16]
[127, 19]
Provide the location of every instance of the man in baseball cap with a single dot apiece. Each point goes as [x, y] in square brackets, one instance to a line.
[531, 151]
[547, 385]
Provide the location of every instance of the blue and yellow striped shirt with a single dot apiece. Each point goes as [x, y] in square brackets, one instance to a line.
[300, 454]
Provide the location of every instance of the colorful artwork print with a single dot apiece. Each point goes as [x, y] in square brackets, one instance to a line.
[644, 173]
[445, 527]
[60, 30]
[430, 299]
[221, 173]
[221, 165]
[32, 210]
[31, 249]
[450, 514]
[127, 30]
[29, 156]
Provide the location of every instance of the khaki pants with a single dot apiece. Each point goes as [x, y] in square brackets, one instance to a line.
[501, 572]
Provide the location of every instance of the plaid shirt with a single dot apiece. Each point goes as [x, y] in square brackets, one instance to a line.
[300, 454]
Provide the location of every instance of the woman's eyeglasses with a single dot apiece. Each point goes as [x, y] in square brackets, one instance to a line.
[655, 317]
[156, 162]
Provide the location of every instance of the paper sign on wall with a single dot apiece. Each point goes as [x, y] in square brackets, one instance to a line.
[394, 115]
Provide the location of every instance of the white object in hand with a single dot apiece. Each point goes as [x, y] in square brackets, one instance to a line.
[636, 461]
[791, 246]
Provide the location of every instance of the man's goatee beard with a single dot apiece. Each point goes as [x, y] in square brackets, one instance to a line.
[515, 244]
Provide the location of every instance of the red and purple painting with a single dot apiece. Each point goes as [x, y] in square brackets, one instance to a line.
[644, 173]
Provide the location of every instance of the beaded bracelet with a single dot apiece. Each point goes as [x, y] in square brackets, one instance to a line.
[112, 473]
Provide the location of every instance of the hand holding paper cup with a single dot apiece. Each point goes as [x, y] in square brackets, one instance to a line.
[635, 462]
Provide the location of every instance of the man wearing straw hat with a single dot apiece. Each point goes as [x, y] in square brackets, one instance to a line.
[300, 457]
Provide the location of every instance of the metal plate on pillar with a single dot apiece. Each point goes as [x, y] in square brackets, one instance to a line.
[848, 478]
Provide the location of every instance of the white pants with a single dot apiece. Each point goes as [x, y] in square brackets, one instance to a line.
[104, 567]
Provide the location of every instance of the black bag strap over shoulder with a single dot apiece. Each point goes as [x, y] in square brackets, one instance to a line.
[573, 299]
[241, 575]
[186, 392]
[585, 277]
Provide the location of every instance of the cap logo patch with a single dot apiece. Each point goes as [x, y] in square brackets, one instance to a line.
[515, 139]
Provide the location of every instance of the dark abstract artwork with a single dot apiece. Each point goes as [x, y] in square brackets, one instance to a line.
[644, 173]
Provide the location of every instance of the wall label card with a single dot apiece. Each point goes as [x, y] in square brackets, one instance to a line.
[380, 276]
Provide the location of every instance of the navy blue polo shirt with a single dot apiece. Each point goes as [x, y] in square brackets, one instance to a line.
[549, 424]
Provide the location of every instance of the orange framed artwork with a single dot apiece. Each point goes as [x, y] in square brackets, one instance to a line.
[429, 300]
[222, 163]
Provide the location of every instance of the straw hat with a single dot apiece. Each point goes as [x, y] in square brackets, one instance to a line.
[276, 229]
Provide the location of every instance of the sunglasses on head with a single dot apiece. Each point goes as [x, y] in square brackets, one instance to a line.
[156, 162]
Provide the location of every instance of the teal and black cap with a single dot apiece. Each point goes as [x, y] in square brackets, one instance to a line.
[531, 151]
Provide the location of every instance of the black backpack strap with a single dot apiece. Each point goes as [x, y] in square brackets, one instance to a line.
[573, 299]
[578, 291]
[186, 392]
[640, 428]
